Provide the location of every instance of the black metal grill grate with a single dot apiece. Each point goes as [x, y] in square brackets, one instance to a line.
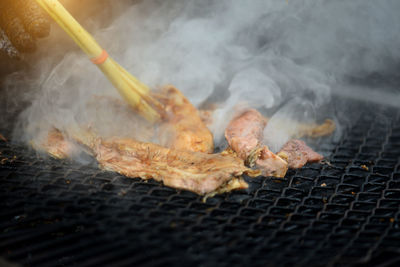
[57, 213]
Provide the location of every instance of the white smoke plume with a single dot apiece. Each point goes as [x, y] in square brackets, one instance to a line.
[282, 57]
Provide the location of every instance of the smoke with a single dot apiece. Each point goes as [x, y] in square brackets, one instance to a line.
[282, 57]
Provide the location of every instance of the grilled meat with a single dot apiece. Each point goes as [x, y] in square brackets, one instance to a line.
[56, 145]
[244, 135]
[297, 154]
[270, 164]
[183, 128]
[194, 171]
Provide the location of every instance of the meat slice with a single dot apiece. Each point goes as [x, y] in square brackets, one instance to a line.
[244, 135]
[183, 129]
[199, 172]
[270, 164]
[297, 154]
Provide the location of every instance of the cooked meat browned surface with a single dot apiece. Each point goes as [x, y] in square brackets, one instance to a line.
[56, 145]
[297, 154]
[270, 164]
[244, 135]
[245, 132]
[183, 129]
[199, 172]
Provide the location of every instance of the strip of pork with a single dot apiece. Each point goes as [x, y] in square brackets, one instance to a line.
[202, 173]
[297, 154]
[244, 135]
[183, 129]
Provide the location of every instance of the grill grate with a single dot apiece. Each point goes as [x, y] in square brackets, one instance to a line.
[57, 213]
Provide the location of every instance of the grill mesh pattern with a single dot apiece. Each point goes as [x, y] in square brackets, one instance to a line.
[346, 212]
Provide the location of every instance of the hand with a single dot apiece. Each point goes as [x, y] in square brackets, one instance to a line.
[24, 21]
[21, 23]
